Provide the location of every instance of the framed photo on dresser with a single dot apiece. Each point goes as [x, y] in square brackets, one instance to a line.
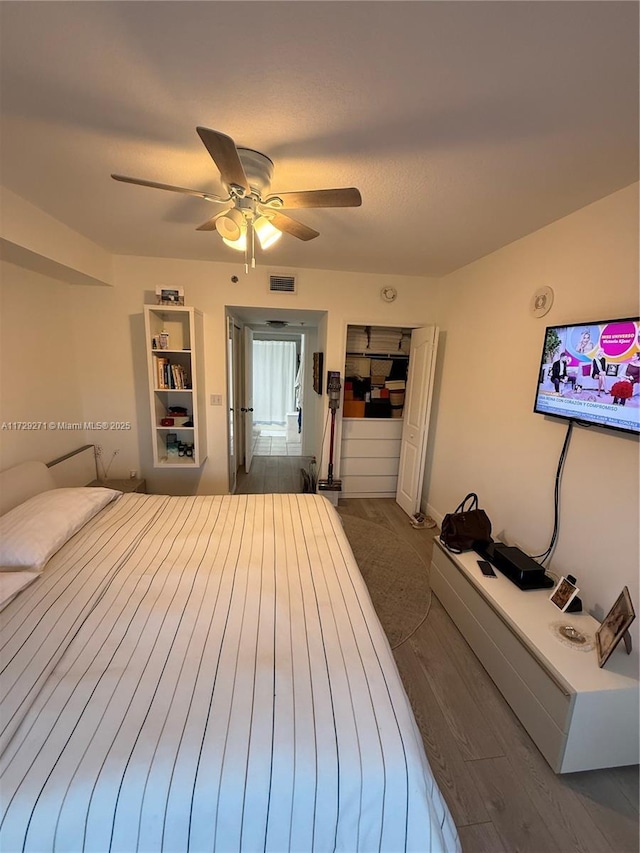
[614, 627]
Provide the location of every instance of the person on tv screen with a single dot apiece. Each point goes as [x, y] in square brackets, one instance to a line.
[599, 370]
[585, 344]
[633, 369]
[559, 371]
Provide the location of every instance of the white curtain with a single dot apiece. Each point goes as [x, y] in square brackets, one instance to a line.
[274, 373]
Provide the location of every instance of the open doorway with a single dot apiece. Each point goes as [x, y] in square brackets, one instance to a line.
[278, 368]
[275, 410]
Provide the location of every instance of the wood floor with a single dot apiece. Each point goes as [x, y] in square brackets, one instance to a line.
[272, 475]
[503, 795]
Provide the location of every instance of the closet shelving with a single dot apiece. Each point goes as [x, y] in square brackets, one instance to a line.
[370, 447]
[174, 343]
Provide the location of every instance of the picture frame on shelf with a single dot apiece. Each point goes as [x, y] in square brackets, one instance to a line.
[564, 593]
[169, 295]
[615, 626]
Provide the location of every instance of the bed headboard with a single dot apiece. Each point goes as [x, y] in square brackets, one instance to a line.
[23, 481]
[77, 468]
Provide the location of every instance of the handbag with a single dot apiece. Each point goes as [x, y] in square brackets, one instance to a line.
[465, 526]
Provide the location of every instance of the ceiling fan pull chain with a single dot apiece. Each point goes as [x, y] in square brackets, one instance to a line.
[253, 245]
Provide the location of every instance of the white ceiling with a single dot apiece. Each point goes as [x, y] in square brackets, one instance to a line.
[465, 125]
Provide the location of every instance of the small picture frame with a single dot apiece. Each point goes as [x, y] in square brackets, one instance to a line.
[612, 369]
[614, 626]
[169, 295]
[563, 594]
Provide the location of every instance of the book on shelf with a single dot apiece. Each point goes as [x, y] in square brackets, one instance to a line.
[161, 376]
[179, 377]
[170, 376]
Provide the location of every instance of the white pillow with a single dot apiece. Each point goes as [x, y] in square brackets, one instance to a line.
[11, 583]
[35, 530]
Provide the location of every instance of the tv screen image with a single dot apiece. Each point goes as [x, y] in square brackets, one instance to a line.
[590, 372]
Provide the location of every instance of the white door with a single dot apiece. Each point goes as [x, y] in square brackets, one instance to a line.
[417, 409]
[247, 408]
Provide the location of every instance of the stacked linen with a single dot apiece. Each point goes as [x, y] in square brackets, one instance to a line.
[357, 339]
[385, 340]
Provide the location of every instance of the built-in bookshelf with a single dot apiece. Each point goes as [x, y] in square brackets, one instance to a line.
[175, 356]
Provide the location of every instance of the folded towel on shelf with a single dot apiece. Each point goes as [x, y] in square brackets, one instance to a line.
[385, 340]
[357, 339]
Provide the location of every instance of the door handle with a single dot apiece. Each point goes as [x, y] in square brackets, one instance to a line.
[245, 410]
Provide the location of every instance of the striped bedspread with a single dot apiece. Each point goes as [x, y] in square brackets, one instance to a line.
[208, 673]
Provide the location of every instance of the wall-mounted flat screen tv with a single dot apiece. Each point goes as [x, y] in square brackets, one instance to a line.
[590, 372]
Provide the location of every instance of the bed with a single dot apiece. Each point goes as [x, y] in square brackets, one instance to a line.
[201, 674]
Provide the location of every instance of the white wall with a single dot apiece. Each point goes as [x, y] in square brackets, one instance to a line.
[111, 354]
[487, 438]
[38, 366]
[44, 244]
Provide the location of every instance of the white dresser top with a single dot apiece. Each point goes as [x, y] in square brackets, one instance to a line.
[530, 614]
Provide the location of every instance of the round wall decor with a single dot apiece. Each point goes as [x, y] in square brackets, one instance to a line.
[541, 301]
[388, 294]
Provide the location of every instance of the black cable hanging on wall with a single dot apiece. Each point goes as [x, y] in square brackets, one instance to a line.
[556, 499]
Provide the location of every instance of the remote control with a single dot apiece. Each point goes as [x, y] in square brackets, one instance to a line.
[487, 569]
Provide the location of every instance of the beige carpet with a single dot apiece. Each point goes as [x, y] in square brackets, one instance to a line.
[395, 574]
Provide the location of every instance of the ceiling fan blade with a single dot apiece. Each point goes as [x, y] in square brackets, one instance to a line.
[210, 224]
[292, 226]
[225, 155]
[157, 186]
[344, 197]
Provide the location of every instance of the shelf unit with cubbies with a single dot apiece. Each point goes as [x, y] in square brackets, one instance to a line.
[175, 358]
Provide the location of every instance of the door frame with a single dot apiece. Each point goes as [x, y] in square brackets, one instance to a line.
[247, 397]
[339, 419]
[310, 436]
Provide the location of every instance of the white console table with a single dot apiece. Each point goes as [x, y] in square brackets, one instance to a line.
[581, 717]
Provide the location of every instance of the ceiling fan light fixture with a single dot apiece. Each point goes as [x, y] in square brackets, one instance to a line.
[240, 244]
[267, 233]
[229, 226]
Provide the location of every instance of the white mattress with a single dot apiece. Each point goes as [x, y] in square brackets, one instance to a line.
[208, 673]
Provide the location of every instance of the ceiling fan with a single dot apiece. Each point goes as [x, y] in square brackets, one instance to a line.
[250, 209]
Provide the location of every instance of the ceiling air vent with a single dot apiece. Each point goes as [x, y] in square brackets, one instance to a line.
[282, 283]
